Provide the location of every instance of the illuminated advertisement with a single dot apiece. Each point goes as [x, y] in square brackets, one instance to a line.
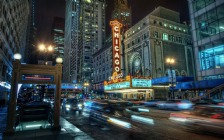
[141, 83]
[116, 27]
[117, 85]
[34, 77]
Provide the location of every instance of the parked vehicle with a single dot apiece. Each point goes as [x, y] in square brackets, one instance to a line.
[176, 104]
[72, 104]
[203, 118]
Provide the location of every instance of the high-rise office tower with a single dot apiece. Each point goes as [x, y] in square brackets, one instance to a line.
[57, 34]
[207, 24]
[13, 29]
[122, 12]
[84, 34]
[30, 55]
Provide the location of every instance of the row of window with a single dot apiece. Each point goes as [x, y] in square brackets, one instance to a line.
[170, 26]
[210, 23]
[102, 77]
[166, 25]
[174, 38]
[199, 4]
[138, 40]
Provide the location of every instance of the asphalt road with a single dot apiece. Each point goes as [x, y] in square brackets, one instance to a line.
[161, 128]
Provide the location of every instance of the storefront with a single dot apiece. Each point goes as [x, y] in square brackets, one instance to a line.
[129, 88]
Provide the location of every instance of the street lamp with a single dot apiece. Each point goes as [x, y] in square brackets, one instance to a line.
[170, 62]
[17, 56]
[86, 84]
[45, 49]
[59, 60]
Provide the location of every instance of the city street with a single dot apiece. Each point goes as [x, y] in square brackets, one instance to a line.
[162, 128]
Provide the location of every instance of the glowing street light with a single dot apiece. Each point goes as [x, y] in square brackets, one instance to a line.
[171, 61]
[17, 56]
[86, 84]
[45, 49]
[59, 60]
[42, 47]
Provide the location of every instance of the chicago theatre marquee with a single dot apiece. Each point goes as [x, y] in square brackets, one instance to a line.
[129, 86]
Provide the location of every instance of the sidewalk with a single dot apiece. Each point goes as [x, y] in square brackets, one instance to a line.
[68, 132]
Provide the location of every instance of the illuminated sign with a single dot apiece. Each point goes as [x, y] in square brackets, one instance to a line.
[34, 77]
[115, 76]
[116, 27]
[117, 86]
[141, 82]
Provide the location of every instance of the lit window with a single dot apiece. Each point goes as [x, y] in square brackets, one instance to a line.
[165, 36]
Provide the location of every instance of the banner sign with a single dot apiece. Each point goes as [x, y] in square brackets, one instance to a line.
[36, 77]
[172, 76]
[117, 85]
[141, 82]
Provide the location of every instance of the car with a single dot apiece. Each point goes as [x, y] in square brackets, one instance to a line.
[72, 104]
[203, 118]
[151, 103]
[176, 104]
[107, 107]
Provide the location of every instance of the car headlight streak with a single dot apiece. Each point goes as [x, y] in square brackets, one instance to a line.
[119, 122]
[142, 119]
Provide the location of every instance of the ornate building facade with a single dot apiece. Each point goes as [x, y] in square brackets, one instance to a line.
[158, 36]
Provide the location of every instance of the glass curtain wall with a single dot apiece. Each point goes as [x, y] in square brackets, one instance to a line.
[210, 23]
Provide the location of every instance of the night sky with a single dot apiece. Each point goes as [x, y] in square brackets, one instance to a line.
[48, 9]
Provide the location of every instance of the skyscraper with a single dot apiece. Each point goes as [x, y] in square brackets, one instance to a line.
[207, 24]
[122, 13]
[30, 55]
[57, 34]
[84, 34]
[13, 29]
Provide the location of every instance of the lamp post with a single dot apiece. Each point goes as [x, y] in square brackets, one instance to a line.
[170, 62]
[43, 48]
[86, 84]
[57, 96]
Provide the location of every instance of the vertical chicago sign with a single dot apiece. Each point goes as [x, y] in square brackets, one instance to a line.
[116, 28]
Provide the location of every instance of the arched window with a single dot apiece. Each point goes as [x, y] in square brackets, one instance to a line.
[136, 67]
